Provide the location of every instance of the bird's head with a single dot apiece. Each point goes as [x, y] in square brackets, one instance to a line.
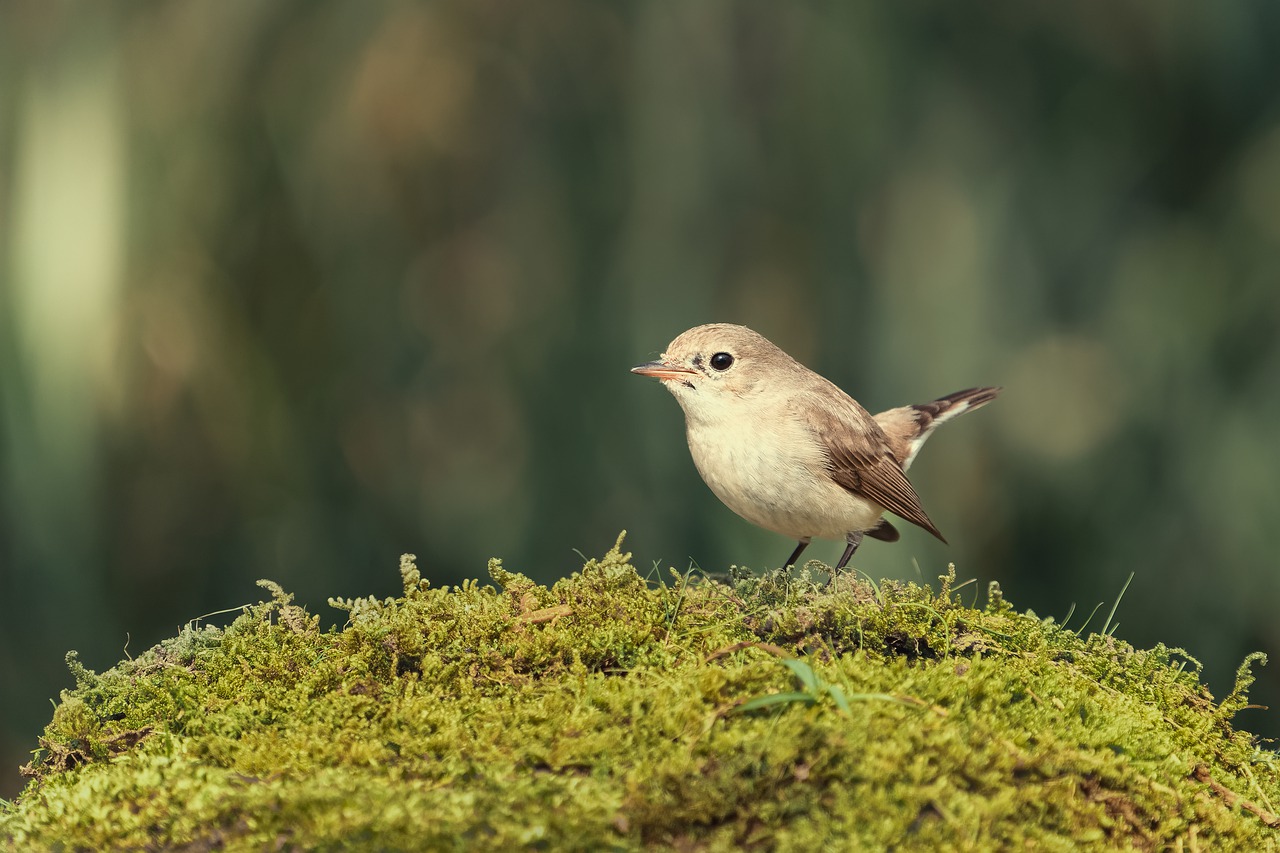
[713, 369]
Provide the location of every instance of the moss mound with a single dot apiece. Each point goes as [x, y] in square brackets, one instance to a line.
[608, 713]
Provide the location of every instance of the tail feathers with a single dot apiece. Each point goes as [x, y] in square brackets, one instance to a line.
[909, 426]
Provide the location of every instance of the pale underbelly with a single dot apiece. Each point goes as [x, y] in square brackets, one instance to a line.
[795, 501]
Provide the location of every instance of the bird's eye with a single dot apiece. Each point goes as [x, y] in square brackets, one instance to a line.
[722, 361]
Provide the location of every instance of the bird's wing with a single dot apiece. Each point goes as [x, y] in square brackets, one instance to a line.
[866, 467]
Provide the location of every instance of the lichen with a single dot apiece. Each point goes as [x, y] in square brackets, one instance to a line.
[777, 711]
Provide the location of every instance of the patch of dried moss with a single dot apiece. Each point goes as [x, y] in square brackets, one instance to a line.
[605, 712]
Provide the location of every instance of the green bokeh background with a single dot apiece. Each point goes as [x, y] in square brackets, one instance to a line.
[288, 289]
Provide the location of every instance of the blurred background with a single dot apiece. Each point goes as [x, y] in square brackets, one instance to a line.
[288, 289]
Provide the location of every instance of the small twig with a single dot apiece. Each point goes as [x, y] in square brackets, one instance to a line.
[546, 614]
[776, 651]
[1231, 798]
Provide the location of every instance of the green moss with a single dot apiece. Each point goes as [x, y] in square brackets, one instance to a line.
[770, 712]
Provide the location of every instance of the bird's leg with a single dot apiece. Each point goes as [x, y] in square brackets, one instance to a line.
[854, 539]
[795, 555]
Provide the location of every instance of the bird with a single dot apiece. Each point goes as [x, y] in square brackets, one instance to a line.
[788, 450]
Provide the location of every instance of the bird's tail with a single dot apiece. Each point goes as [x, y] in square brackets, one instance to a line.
[909, 426]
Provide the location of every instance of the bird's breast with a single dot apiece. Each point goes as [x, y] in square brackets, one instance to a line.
[774, 474]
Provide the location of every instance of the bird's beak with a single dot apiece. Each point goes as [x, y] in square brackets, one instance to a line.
[663, 370]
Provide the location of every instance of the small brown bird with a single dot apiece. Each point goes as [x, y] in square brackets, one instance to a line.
[789, 451]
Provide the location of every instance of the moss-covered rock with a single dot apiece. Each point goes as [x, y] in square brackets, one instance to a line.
[607, 712]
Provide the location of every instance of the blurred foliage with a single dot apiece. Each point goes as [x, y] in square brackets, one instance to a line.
[288, 289]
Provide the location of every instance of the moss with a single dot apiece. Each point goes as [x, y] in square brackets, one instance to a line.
[604, 712]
